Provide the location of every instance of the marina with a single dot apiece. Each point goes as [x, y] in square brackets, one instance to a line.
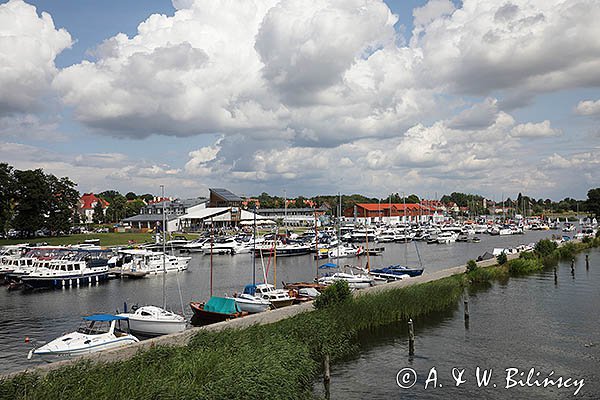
[35, 317]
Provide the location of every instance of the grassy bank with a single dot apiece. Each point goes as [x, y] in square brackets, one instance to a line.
[106, 239]
[279, 360]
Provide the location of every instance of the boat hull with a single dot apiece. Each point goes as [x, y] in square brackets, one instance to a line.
[31, 283]
[202, 317]
[155, 327]
[252, 307]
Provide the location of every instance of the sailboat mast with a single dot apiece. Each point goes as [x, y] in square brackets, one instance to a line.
[275, 258]
[164, 243]
[212, 232]
[254, 251]
[339, 229]
[316, 245]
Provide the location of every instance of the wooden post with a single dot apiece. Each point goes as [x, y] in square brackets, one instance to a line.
[587, 261]
[411, 338]
[573, 266]
[326, 375]
[555, 276]
[466, 309]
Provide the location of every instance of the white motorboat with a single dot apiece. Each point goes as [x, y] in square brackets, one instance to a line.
[149, 261]
[195, 246]
[63, 273]
[345, 251]
[277, 297]
[360, 281]
[447, 237]
[154, 321]
[97, 333]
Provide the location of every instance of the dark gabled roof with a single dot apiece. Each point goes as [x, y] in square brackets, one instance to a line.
[150, 217]
[225, 194]
[186, 203]
[282, 210]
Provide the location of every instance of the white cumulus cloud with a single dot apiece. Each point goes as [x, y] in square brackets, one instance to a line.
[29, 45]
[588, 107]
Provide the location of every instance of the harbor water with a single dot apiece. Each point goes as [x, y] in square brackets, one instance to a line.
[45, 315]
[526, 323]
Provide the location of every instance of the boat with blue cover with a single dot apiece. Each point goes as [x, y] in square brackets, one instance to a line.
[98, 332]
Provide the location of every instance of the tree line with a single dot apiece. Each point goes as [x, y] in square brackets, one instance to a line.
[120, 206]
[32, 201]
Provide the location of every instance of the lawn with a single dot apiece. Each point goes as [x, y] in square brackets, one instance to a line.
[106, 239]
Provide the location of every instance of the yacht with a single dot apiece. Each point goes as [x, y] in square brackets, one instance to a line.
[149, 261]
[98, 332]
[268, 247]
[154, 321]
[346, 251]
[355, 281]
[278, 297]
[63, 273]
[250, 302]
[447, 237]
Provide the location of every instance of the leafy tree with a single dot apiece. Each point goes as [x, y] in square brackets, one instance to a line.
[62, 205]
[147, 197]
[7, 187]
[98, 216]
[592, 204]
[33, 196]
[133, 207]
[131, 196]
[502, 258]
[109, 195]
[299, 203]
[117, 208]
[413, 199]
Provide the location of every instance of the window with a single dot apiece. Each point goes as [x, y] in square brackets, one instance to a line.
[70, 267]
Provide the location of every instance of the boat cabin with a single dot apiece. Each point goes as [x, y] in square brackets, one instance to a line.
[99, 324]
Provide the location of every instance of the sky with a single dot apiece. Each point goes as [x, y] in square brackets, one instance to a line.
[353, 96]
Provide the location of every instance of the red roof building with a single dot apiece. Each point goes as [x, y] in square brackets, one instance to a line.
[87, 202]
[375, 210]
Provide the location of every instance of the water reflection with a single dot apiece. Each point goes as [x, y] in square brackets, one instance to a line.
[526, 323]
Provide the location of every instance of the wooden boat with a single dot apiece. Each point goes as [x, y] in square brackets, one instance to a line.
[216, 309]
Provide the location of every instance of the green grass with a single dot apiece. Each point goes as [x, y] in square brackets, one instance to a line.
[106, 239]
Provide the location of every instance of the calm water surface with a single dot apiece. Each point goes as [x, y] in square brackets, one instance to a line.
[529, 322]
[43, 316]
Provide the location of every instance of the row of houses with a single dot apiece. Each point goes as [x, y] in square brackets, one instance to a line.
[224, 208]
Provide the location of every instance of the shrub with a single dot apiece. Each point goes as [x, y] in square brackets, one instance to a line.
[502, 258]
[587, 240]
[527, 255]
[545, 247]
[337, 293]
[471, 266]
[524, 266]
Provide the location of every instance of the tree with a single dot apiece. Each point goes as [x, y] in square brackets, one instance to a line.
[592, 204]
[62, 205]
[109, 195]
[98, 216]
[299, 203]
[33, 198]
[131, 196]
[117, 209]
[147, 197]
[7, 187]
[413, 199]
[133, 207]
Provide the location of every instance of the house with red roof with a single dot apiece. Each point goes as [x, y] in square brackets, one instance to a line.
[392, 213]
[87, 202]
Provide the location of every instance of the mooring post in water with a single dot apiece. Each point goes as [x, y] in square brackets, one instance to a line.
[587, 261]
[572, 266]
[555, 276]
[466, 309]
[326, 375]
[411, 338]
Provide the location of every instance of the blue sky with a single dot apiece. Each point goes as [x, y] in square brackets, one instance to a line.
[305, 97]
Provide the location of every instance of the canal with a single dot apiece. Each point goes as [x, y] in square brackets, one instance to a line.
[527, 322]
[43, 316]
